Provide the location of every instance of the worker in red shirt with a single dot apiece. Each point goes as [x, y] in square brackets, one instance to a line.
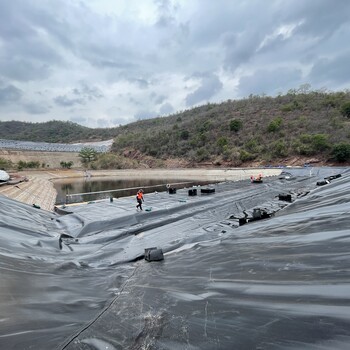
[140, 199]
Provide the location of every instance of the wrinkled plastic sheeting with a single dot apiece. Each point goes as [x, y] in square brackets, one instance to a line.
[77, 281]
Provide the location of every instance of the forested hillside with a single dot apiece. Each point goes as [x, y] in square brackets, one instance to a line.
[258, 129]
[53, 131]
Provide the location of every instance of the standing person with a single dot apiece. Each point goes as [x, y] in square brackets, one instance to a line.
[140, 199]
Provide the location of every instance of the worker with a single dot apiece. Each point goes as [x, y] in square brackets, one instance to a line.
[139, 198]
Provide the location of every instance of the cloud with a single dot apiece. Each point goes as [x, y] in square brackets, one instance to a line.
[165, 11]
[143, 57]
[118, 121]
[210, 84]
[103, 123]
[157, 99]
[320, 18]
[145, 115]
[240, 48]
[166, 108]
[81, 95]
[36, 108]
[269, 81]
[10, 94]
[141, 83]
[333, 71]
[21, 70]
[134, 101]
[65, 101]
[79, 120]
[88, 93]
[28, 51]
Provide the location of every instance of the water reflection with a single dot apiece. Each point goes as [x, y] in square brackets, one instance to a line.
[66, 188]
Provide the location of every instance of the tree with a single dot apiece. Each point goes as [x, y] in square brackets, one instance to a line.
[275, 125]
[320, 142]
[245, 156]
[87, 155]
[5, 164]
[236, 125]
[341, 152]
[279, 148]
[221, 142]
[21, 165]
[184, 134]
[309, 144]
[304, 88]
[66, 165]
[345, 109]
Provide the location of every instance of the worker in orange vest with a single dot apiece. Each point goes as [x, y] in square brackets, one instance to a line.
[140, 199]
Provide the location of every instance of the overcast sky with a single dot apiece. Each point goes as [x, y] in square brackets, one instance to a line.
[103, 63]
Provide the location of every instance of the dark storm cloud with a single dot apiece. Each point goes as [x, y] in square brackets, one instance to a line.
[269, 81]
[210, 85]
[10, 94]
[65, 101]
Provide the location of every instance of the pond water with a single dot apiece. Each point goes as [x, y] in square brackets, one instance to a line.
[84, 189]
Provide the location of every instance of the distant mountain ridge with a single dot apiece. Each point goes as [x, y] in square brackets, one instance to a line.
[259, 128]
[54, 131]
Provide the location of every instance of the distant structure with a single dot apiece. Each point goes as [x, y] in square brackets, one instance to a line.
[99, 147]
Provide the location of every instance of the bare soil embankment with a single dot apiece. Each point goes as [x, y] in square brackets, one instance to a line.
[46, 159]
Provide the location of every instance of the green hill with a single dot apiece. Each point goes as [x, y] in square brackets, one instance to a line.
[52, 131]
[258, 129]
